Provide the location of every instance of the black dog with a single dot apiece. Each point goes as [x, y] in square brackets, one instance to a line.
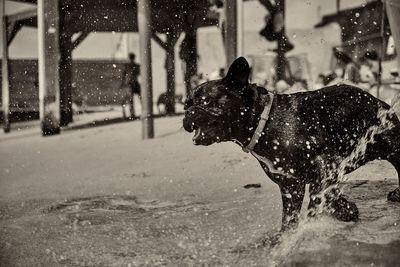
[304, 138]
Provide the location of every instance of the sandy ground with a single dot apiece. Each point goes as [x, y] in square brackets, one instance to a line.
[101, 196]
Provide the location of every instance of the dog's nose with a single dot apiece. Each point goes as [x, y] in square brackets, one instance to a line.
[188, 124]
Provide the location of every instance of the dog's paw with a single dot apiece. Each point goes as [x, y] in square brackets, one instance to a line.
[344, 210]
[394, 195]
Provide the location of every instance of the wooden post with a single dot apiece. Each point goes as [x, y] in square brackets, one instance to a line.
[190, 58]
[4, 70]
[66, 77]
[383, 49]
[144, 21]
[393, 12]
[281, 61]
[240, 31]
[49, 66]
[170, 69]
[231, 32]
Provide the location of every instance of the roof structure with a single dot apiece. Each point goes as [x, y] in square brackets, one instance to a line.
[358, 24]
[121, 15]
[59, 23]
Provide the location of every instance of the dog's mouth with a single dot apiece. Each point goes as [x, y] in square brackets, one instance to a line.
[202, 137]
[197, 134]
[207, 130]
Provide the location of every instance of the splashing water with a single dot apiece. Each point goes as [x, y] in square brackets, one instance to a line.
[337, 173]
[308, 227]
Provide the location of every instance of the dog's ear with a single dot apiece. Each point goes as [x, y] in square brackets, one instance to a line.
[238, 74]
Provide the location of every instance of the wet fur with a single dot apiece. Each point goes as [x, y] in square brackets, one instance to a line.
[308, 136]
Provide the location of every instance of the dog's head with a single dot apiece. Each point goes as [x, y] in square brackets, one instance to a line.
[217, 109]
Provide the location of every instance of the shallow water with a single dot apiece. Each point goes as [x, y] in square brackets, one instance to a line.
[126, 231]
[222, 230]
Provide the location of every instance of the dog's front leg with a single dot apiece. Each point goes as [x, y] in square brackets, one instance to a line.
[292, 199]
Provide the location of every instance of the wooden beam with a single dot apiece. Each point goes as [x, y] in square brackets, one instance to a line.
[4, 70]
[281, 60]
[144, 21]
[118, 16]
[160, 42]
[25, 1]
[79, 40]
[12, 30]
[23, 15]
[231, 33]
[66, 77]
[240, 25]
[188, 54]
[49, 66]
[170, 69]
[16, 21]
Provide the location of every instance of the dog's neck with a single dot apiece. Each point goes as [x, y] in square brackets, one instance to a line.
[256, 98]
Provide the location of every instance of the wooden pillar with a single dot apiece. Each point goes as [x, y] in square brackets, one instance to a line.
[170, 69]
[393, 12]
[144, 20]
[66, 77]
[5, 91]
[240, 31]
[231, 32]
[190, 59]
[281, 60]
[49, 66]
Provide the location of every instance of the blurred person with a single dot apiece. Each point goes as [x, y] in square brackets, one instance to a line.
[130, 85]
[347, 69]
[275, 25]
[369, 67]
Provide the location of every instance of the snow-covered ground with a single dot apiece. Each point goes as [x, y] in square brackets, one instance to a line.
[102, 196]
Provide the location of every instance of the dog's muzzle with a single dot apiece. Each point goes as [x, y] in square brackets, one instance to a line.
[206, 123]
